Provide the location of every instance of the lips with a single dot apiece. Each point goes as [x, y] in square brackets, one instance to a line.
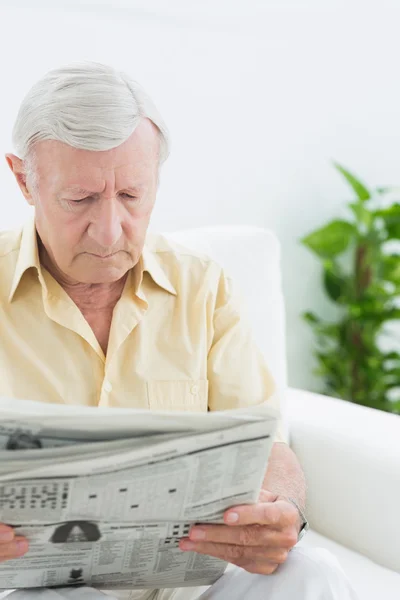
[103, 256]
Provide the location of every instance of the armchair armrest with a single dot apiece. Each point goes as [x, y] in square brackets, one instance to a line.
[351, 458]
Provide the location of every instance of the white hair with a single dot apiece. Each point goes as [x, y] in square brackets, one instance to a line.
[86, 105]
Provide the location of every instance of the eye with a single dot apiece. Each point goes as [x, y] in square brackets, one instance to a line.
[128, 196]
[81, 200]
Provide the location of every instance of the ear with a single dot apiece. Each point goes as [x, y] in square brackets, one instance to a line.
[17, 167]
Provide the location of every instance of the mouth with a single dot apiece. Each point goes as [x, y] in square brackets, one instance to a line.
[103, 256]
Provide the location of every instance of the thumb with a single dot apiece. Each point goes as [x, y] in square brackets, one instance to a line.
[267, 496]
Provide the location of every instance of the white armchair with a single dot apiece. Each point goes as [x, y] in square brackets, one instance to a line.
[350, 454]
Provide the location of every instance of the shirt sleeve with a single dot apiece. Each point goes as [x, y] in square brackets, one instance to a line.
[237, 372]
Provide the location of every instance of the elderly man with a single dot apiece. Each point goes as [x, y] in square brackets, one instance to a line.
[95, 312]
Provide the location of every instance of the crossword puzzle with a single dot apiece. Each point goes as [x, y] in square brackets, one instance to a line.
[40, 495]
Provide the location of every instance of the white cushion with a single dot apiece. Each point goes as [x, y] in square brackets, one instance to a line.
[370, 581]
[251, 256]
[351, 458]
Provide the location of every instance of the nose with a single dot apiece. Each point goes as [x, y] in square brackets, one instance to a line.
[105, 227]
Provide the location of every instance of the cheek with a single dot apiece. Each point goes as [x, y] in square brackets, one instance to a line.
[50, 215]
[137, 221]
[65, 238]
[71, 234]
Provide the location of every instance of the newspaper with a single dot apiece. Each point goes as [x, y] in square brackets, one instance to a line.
[104, 495]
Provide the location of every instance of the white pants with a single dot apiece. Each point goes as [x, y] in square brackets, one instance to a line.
[308, 574]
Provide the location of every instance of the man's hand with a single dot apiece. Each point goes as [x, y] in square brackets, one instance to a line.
[11, 546]
[256, 537]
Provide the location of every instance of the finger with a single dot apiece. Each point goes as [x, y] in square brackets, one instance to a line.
[260, 567]
[14, 549]
[266, 496]
[235, 554]
[6, 534]
[276, 514]
[245, 535]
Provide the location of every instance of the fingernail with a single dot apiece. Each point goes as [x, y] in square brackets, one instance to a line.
[6, 535]
[197, 534]
[232, 517]
[22, 546]
[186, 545]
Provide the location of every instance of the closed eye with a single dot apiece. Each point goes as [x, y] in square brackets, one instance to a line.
[87, 198]
[128, 196]
[81, 200]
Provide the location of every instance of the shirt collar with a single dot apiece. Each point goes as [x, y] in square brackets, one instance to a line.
[28, 257]
[153, 267]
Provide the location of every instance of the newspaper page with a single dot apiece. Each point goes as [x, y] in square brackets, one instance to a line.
[108, 510]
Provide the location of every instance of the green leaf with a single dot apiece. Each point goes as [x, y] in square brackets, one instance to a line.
[331, 240]
[311, 318]
[362, 192]
[391, 217]
[328, 362]
[392, 211]
[393, 406]
[391, 268]
[335, 285]
[330, 330]
[392, 355]
[362, 214]
[379, 317]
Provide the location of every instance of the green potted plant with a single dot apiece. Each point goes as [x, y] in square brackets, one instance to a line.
[361, 275]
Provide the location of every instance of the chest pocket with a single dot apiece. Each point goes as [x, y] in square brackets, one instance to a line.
[186, 395]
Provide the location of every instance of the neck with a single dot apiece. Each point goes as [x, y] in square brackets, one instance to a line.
[95, 297]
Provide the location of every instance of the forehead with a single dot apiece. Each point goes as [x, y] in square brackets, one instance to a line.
[62, 165]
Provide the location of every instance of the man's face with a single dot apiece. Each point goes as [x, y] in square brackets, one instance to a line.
[93, 208]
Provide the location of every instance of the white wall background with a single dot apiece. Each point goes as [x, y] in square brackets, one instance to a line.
[259, 97]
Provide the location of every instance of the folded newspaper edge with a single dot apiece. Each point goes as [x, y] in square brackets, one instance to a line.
[105, 495]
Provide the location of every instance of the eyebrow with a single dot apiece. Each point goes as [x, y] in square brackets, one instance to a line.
[77, 190]
[84, 191]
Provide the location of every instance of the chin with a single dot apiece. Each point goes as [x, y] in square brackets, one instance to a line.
[107, 277]
[110, 275]
[108, 272]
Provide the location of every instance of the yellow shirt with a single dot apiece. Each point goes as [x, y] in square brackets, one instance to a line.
[178, 340]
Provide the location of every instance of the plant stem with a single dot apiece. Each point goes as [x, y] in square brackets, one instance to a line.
[363, 272]
[363, 277]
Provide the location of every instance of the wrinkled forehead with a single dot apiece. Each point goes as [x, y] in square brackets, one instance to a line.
[133, 162]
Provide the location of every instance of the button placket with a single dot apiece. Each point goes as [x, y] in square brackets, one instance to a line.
[107, 387]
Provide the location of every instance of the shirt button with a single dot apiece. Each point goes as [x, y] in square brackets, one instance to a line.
[194, 389]
[107, 386]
